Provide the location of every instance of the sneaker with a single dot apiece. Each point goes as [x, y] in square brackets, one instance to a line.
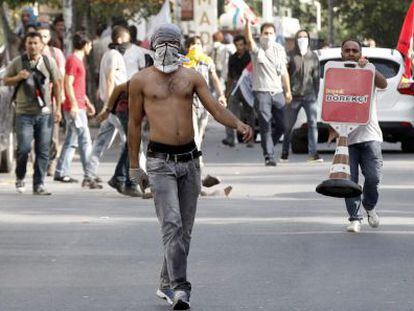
[373, 219]
[116, 185]
[228, 143]
[65, 179]
[284, 158]
[40, 190]
[91, 184]
[354, 226]
[132, 191]
[20, 186]
[98, 179]
[181, 300]
[315, 158]
[270, 162]
[167, 294]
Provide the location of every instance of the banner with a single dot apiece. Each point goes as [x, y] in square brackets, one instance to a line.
[245, 83]
[242, 11]
[405, 42]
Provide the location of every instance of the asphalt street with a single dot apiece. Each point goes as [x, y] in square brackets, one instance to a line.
[272, 244]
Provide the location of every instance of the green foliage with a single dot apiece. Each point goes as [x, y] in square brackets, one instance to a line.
[377, 19]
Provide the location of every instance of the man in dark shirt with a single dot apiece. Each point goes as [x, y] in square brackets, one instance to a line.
[237, 104]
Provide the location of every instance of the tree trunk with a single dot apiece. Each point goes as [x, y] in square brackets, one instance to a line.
[12, 40]
[67, 6]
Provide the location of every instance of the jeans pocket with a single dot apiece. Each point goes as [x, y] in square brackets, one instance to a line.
[155, 164]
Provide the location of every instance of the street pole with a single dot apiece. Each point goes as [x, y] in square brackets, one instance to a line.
[330, 23]
[267, 10]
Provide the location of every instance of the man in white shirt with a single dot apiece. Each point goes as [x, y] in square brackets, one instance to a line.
[270, 79]
[112, 73]
[364, 150]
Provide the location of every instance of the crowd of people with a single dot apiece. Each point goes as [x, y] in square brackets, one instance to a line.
[159, 102]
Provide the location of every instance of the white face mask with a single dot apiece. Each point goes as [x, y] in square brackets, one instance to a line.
[267, 42]
[166, 57]
[303, 44]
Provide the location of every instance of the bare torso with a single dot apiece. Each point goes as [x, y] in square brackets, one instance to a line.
[167, 103]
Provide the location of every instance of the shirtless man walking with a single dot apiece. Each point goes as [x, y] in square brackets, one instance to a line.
[164, 94]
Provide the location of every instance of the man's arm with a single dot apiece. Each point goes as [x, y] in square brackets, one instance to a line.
[219, 113]
[251, 45]
[286, 86]
[218, 87]
[316, 76]
[69, 79]
[379, 81]
[111, 102]
[135, 105]
[57, 95]
[110, 82]
[14, 80]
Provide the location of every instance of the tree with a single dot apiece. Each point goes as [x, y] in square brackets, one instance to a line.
[377, 19]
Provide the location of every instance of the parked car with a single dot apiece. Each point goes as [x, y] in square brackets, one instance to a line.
[6, 127]
[395, 110]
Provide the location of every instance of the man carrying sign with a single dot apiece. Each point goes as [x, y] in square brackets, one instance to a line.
[364, 150]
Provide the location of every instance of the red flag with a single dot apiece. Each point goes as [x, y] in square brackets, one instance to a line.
[405, 42]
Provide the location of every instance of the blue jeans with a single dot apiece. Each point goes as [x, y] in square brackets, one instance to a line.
[176, 187]
[77, 134]
[121, 174]
[270, 110]
[39, 128]
[368, 156]
[291, 115]
[106, 135]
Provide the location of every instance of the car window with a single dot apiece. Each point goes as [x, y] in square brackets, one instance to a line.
[387, 67]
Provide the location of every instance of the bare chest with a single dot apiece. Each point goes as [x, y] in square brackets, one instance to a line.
[169, 88]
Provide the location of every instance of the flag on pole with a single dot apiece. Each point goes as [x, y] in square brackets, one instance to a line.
[163, 17]
[405, 42]
[245, 83]
[242, 10]
[405, 47]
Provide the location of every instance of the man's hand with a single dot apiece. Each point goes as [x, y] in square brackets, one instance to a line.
[57, 116]
[332, 135]
[102, 116]
[288, 97]
[139, 177]
[222, 100]
[73, 112]
[23, 74]
[90, 109]
[245, 130]
[362, 62]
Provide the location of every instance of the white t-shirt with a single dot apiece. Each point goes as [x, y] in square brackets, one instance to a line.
[111, 60]
[134, 60]
[369, 132]
[268, 67]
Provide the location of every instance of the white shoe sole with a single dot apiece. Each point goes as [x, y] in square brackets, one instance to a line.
[21, 190]
[161, 295]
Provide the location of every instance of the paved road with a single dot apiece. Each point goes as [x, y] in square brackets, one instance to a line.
[273, 244]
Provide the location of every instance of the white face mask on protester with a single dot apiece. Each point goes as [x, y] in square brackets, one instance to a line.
[303, 44]
[267, 42]
[166, 57]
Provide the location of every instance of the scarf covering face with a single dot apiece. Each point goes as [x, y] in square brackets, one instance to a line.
[166, 42]
[196, 55]
[121, 48]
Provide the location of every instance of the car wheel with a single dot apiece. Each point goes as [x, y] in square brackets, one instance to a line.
[7, 156]
[407, 146]
[299, 143]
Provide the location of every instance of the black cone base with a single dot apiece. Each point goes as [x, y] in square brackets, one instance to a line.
[339, 188]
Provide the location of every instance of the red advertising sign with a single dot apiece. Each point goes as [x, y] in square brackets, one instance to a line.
[347, 93]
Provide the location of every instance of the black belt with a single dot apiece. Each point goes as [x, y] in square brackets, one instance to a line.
[181, 157]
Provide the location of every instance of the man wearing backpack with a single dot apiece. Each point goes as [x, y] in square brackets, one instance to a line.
[32, 74]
